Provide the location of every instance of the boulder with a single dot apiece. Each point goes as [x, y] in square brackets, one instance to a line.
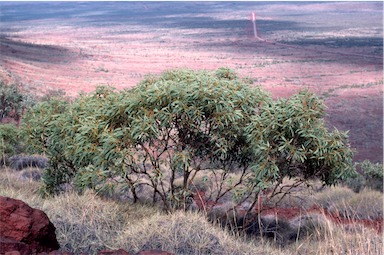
[114, 252]
[12, 247]
[22, 224]
[58, 253]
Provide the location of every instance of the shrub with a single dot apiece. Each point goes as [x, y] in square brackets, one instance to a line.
[13, 102]
[10, 140]
[10, 101]
[226, 73]
[43, 137]
[368, 175]
[53, 94]
[37, 121]
[373, 174]
[356, 182]
[289, 139]
[183, 123]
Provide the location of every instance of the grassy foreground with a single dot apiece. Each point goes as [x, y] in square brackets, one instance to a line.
[87, 223]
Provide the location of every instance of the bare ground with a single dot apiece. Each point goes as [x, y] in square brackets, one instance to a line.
[333, 49]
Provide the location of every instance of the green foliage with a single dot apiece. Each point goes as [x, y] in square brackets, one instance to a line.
[289, 139]
[179, 124]
[208, 113]
[53, 94]
[226, 73]
[37, 123]
[373, 173]
[42, 126]
[12, 105]
[368, 175]
[10, 140]
[355, 182]
[12, 101]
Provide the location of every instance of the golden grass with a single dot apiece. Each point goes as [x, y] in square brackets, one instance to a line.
[189, 233]
[367, 204]
[87, 223]
[340, 240]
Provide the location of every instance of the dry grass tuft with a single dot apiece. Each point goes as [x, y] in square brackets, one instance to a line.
[312, 226]
[339, 240]
[327, 198]
[14, 186]
[188, 233]
[87, 223]
[365, 205]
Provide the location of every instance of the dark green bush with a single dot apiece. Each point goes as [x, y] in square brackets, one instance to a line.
[368, 174]
[356, 182]
[10, 140]
[13, 102]
[373, 173]
[10, 101]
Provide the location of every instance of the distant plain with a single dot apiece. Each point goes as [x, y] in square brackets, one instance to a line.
[334, 49]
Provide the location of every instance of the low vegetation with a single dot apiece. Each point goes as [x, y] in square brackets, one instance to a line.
[181, 125]
[189, 162]
[88, 223]
[367, 174]
[365, 205]
[9, 141]
[11, 101]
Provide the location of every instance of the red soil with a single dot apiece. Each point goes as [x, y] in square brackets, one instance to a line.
[61, 54]
[290, 213]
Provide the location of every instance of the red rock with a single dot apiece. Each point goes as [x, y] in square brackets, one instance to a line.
[114, 252]
[154, 252]
[57, 253]
[13, 247]
[27, 225]
[12, 253]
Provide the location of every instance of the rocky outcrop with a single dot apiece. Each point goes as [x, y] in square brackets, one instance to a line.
[28, 231]
[25, 229]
